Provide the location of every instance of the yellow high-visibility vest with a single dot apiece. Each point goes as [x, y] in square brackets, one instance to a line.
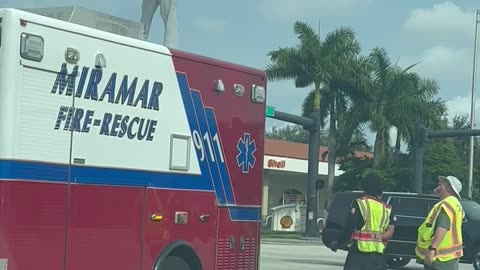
[376, 215]
[451, 247]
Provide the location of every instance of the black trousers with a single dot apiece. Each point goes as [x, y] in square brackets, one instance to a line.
[357, 260]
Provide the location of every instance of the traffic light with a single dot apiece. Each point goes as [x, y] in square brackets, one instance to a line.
[420, 134]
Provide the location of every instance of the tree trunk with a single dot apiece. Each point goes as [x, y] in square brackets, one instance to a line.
[377, 156]
[316, 99]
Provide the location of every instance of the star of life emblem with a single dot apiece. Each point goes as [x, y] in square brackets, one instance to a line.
[246, 149]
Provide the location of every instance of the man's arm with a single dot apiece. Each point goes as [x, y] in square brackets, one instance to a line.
[388, 234]
[443, 225]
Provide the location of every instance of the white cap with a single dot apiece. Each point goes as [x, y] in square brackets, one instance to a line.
[454, 183]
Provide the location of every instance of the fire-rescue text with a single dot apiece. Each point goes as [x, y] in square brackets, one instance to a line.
[81, 119]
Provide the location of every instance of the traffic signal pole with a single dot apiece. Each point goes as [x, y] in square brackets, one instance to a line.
[419, 142]
[312, 124]
[311, 229]
[421, 136]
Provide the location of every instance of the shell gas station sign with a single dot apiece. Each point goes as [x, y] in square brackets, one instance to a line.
[275, 163]
[284, 164]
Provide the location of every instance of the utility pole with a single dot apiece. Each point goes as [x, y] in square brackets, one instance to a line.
[312, 124]
[472, 107]
[419, 141]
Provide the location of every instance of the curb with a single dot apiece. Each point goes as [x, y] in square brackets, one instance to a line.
[299, 241]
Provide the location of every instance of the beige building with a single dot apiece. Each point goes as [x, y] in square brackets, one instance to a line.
[285, 174]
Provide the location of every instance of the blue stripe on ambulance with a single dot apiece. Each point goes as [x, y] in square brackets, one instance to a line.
[199, 109]
[193, 123]
[41, 172]
[193, 113]
[237, 213]
[227, 184]
[244, 214]
[54, 173]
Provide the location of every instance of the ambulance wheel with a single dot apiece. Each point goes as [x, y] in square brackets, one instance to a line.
[175, 263]
[396, 262]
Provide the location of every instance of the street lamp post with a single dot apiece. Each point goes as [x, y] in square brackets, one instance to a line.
[472, 108]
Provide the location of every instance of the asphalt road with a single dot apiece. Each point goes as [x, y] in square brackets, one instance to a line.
[277, 255]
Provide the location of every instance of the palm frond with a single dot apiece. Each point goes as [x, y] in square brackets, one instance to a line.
[383, 67]
[305, 33]
[275, 72]
[342, 43]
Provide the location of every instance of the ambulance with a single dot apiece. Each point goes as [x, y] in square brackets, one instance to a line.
[117, 153]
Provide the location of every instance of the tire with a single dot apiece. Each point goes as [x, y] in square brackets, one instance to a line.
[175, 263]
[396, 262]
[476, 258]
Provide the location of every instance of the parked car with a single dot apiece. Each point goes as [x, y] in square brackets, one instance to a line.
[410, 210]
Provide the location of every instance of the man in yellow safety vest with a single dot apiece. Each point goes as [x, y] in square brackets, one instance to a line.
[370, 224]
[439, 242]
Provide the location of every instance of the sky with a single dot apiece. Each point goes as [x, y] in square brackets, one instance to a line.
[439, 35]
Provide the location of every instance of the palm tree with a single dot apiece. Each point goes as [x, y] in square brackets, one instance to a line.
[312, 61]
[323, 64]
[382, 91]
[399, 98]
[418, 105]
[343, 102]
